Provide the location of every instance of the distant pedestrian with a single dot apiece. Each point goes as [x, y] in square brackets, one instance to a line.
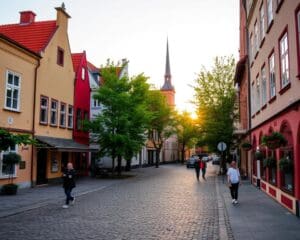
[69, 184]
[203, 168]
[233, 179]
[197, 168]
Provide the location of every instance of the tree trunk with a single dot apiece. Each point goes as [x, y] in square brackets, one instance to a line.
[119, 164]
[128, 165]
[157, 158]
[182, 154]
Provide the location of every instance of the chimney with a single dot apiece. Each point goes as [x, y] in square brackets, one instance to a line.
[27, 17]
[62, 17]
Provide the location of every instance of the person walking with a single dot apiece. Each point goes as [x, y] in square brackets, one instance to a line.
[197, 168]
[233, 180]
[203, 168]
[69, 184]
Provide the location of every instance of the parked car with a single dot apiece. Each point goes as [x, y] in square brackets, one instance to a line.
[205, 159]
[191, 161]
[216, 160]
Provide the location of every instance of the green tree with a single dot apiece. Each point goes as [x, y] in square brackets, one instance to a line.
[186, 132]
[121, 125]
[162, 121]
[215, 101]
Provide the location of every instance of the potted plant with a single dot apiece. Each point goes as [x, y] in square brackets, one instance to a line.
[286, 164]
[274, 140]
[259, 155]
[269, 162]
[246, 146]
[11, 159]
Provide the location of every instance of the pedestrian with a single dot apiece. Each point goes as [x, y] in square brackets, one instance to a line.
[197, 168]
[69, 184]
[233, 179]
[203, 168]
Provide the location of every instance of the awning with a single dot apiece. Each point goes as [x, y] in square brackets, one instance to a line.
[64, 145]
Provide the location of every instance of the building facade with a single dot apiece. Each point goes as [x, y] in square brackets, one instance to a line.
[274, 63]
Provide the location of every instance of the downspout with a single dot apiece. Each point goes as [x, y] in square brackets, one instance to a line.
[33, 121]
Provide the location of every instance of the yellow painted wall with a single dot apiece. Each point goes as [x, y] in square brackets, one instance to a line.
[23, 63]
[55, 82]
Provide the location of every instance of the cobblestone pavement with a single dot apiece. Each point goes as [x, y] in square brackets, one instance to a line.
[164, 203]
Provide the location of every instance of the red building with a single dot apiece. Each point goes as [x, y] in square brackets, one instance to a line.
[274, 72]
[82, 109]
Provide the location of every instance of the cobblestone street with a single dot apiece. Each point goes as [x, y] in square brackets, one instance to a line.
[164, 203]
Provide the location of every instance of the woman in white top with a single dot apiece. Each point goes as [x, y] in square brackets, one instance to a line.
[233, 179]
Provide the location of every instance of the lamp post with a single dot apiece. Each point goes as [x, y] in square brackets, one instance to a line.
[258, 154]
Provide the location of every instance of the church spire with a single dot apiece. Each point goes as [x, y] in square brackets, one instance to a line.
[167, 84]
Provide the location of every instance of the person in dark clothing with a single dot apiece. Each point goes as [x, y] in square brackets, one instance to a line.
[69, 184]
[203, 168]
[197, 168]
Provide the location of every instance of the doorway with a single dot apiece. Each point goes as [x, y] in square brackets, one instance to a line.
[41, 177]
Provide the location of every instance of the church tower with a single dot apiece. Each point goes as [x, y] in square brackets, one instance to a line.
[168, 89]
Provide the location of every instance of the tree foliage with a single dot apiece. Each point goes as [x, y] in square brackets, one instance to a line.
[121, 125]
[162, 120]
[186, 132]
[215, 101]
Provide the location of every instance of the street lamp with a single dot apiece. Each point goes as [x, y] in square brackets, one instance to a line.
[258, 159]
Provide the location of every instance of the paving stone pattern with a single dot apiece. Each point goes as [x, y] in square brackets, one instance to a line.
[165, 203]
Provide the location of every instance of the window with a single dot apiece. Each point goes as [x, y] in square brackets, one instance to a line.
[78, 119]
[256, 37]
[60, 56]
[82, 73]
[70, 116]
[257, 93]
[253, 105]
[279, 3]
[6, 169]
[44, 110]
[272, 78]
[287, 175]
[251, 48]
[284, 61]
[53, 113]
[273, 168]
[12, 96]
[263, 86]
[62, 119]
[262, 22]
[298, 38]
[269, 12]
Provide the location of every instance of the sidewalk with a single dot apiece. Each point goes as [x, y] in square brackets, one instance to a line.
[31, 198]
[257, 216]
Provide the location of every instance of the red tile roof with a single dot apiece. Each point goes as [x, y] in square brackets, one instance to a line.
[76, 59]
[34, 36]
[92, 67]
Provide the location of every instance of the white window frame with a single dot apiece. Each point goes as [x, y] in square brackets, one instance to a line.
[44, 108]
[284, 60]
[262, 22]
[3, 175]
[272, 76]
[12, 87]
[53, 112]
[269, 12]
[253, 102]
[70, 116]
[263, 86]
[251, 48]
[62, 117]
[83, 73]
[256, 37]
[258, 94]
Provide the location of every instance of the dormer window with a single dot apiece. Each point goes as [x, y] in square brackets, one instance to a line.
[83, 73]
[60, 56]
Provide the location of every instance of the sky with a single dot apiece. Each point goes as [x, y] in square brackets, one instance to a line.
[197, 31]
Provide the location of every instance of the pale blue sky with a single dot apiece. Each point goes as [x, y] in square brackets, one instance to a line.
[198, 30]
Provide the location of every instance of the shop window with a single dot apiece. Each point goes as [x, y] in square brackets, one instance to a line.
[6, 170]
[286, 165]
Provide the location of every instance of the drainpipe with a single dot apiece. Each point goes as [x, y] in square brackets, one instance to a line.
[33, 122]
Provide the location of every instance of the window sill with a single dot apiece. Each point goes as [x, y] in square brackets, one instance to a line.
[252, 64]
[253, 116]
[63, 127]
[285, 190]
[272, 99]
[53, 125]
[70, 128]
[256, 54]
[44, 123]
[11, 110]
[270, 25]
[264, 106]
[7, 176]
[262, 42]
[284, 89]
[257, 113]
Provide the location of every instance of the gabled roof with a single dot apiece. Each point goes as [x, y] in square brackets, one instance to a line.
[76, 59]
[92, 67]
[34, 36]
